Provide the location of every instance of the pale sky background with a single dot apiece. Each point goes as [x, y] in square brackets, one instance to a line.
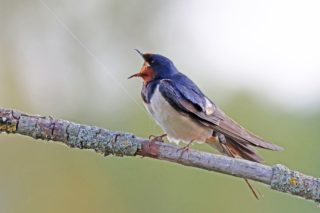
[272, 47]
[268, 48]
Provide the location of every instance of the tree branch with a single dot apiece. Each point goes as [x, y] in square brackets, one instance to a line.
[108, 142]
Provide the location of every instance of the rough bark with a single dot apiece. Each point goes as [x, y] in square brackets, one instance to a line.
[107, 142]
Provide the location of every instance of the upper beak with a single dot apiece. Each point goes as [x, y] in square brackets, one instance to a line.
[140, 53]
[135, 75]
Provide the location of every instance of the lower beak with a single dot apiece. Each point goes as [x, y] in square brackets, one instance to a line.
[135, 75]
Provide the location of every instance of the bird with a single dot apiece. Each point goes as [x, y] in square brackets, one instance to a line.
[187, 115]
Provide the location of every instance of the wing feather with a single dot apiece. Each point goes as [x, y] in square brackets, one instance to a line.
[188, 99]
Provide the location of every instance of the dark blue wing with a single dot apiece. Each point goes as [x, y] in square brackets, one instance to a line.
[189, 90]
[186, 97]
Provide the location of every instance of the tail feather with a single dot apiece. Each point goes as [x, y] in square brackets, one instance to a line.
[235, 149]
[242, 150]
[230, 128]
[236, 152]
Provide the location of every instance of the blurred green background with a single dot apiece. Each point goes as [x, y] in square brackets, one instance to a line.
[258, 59]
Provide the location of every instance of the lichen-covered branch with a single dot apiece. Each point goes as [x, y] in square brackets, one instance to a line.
[108, 142]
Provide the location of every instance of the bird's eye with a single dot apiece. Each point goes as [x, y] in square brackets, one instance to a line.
[151, 61]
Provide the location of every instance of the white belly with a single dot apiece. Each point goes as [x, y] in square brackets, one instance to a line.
[177, 126]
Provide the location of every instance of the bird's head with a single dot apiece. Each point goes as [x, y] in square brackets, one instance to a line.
[155, 67]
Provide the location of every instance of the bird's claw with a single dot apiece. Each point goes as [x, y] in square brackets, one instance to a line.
[153, 138]
[185, 148]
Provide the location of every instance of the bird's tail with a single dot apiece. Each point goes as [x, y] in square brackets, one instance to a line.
[228, 146]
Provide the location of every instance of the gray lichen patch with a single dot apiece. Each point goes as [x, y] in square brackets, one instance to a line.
[285, 180]
[87, 136]
[27, 126]
[117, 143]
[101, 140]
[125, 144]
[72, 132]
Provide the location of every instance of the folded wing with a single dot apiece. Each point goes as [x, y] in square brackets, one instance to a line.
[187, 98]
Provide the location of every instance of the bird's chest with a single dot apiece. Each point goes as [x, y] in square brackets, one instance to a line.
[178, 126]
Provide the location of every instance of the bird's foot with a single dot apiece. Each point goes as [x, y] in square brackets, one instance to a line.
[185, 148]
[153, 138]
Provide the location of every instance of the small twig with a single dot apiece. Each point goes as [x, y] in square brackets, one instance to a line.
[108, 142]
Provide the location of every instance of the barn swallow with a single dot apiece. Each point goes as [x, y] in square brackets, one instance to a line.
[186, 115]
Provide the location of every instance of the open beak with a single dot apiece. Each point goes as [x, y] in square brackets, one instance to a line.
[137, 74]
[140, 53]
